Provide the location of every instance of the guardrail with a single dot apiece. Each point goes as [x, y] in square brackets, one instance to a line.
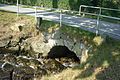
[98, 15]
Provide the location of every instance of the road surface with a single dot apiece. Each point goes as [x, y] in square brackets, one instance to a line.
[108, 28]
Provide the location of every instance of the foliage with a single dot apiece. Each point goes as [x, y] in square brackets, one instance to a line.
[69, 4]
[72, 4]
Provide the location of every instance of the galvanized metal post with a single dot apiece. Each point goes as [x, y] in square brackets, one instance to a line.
[98, 22]
[60, 18]
[17, 8]
[35, 13]
[80, 9]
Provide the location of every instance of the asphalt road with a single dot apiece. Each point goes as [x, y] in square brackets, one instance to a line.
[108, 28]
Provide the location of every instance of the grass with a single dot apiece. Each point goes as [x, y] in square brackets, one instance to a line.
[103, 62]
[8, 18]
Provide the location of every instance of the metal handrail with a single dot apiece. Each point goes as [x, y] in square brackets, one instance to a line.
[98, 15]
[100, 7]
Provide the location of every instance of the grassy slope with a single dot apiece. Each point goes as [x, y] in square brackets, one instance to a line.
[103, 62]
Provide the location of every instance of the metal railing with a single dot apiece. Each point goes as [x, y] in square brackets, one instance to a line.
[98, 15]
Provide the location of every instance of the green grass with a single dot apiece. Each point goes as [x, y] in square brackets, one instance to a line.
[7, 17]
[103, 62]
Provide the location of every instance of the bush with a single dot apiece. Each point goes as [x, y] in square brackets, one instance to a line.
[64, 4]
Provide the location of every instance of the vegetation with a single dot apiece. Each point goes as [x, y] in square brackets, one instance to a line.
[70, 4]
[103, 62]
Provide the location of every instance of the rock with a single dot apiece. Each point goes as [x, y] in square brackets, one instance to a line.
[68, 62]
[23, 73]
[17, 27]
[1, 57]
[39, 73]
[29, 53]
[34, 63]
[6, 51]
[10, 58]
[77, 49]
[53, 66]
[40, 47]
[84, 56]
[7, 67]
[24, 61]
[51, 42]
[14, 49]
[4, 42]
[4, 75]
[14, 41]
[1, 63]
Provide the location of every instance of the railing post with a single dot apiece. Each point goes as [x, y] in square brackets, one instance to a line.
[80, 9]
[60, 18]
[17, 8]
[98, 22]
[35, 13]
